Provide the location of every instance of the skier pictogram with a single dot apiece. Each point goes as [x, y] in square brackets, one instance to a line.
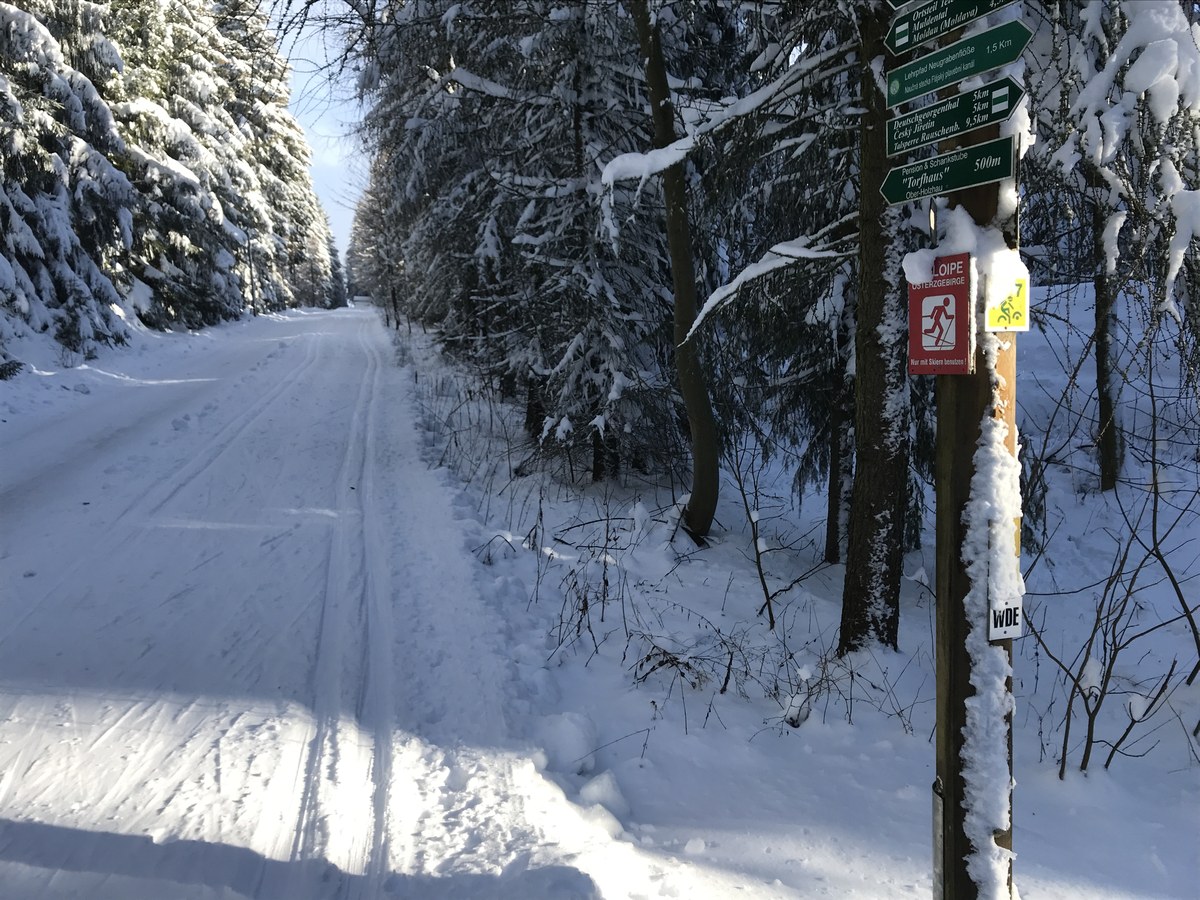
[937, 321]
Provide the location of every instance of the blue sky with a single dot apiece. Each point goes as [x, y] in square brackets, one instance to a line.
[328, 114]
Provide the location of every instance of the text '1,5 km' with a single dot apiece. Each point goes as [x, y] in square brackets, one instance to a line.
[990, 49]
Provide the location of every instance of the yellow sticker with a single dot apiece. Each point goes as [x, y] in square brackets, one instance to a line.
[1011, 313]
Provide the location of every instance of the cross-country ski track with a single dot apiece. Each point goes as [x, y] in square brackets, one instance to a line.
[255, 643]
[245, 650]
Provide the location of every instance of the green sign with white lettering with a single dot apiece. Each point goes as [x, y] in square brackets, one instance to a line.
[987, 105]
[953, 171]
[990, 49]
[932, 20]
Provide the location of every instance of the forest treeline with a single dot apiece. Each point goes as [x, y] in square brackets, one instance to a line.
[654, 225]
[557, 187]
[150, 169]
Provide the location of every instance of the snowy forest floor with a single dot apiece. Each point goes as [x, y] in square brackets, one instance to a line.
[256, 640]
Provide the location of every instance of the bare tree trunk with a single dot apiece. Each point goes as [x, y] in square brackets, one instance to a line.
[535, 405]
[692, 386]
[1107, 436]
[871, 591]
[841, 467]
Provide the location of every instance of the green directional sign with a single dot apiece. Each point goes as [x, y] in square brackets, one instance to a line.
[954, 171]
[931, 20]
[987, 105]
[990, 49]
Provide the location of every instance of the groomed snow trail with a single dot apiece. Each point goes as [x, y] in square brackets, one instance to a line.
[245, 652]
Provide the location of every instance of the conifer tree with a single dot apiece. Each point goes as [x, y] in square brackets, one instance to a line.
[492, 227]
[150, 168]
[63, 204]
[1117, 85]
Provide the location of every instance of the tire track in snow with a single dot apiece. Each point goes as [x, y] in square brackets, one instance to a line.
[174, 781]
[357, 591]
[468, 799]
[377, 707]
[458, 790]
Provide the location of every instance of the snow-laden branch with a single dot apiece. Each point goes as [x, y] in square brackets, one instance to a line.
[1186, 207]
[1150, 77]
[479, 84]
[641, 166]
[781, 256]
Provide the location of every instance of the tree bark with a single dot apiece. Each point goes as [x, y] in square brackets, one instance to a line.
[841, 467]
[871, 591]
[1108, 437]
[702, 505]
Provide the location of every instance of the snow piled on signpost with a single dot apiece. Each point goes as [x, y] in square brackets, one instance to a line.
[989, 555]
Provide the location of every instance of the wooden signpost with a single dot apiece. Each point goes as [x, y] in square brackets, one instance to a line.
[970, 386]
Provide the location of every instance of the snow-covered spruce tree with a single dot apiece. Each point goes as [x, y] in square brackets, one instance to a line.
[296, 270]
[362, 276]
[227, 214]
[378, 268]
[874, 552]
[599, 356]
[356, 259]
[179, 266]
[205, 252]
[494, 184]
[335, 296]
[426, 182]
[1119, 124]
[124, 129]
[810, 110]
[781, 199]
[692, 379]
[851, 256]
[63, 205]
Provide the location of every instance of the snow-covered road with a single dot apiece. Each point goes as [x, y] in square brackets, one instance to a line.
[253, 646]
[243, 650]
